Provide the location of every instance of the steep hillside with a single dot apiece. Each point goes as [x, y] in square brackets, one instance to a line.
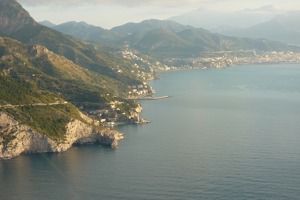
[13, 17]
[38, 63]
[41, 69]
[97, 60]
[44, 74]
[34, 116]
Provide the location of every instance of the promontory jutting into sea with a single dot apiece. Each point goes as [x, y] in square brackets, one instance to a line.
[202, 105]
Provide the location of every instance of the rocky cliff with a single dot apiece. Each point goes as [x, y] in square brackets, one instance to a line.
[13, 17]
[17, 138]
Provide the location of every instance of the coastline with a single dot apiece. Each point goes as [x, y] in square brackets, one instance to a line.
[91, 136]
[21, 139]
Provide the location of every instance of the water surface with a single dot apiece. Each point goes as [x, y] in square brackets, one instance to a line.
[231, 134]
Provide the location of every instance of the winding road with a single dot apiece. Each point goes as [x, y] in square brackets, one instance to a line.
[34, 104]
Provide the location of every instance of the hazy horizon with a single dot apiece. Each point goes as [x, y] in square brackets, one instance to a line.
[108, 14]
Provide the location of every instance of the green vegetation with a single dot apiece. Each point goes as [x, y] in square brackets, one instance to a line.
[98, 61]
[16, 92]
[93, 69]
[32, 74]
[50, 121]
[39, 65]
[28, 69]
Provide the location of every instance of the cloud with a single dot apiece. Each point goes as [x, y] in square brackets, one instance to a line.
[36, 3]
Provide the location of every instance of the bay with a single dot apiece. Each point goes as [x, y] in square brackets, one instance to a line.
[231, 133]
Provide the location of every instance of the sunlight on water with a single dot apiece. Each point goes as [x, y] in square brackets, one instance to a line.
[225, 134]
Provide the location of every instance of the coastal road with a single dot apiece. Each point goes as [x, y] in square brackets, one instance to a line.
[34, 104]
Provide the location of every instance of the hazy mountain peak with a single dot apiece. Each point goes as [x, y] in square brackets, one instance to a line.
[13, 17]
[150, 24]
[75, 24]
[83, 23]
[241, 18]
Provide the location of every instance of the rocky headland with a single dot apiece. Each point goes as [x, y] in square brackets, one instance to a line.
[17, 138]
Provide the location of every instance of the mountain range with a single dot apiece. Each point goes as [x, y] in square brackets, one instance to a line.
[161, 38]
[283, 27]
[210, 19]
[50, 75]
[16, 23]
[266, 22]
[44, 74]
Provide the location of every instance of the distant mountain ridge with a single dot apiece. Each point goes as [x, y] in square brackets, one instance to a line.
[284, 28]
[210, 19]
[79, 30]
[148, 25]
[161, 38]
[265, 22]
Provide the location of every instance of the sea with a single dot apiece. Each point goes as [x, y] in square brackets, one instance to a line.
[225, 134]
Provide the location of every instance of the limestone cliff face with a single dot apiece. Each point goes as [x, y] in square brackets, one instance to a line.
[16, 138]
[13, 17]
[135, 114]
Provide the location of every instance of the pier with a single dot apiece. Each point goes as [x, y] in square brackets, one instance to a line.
[152, 98]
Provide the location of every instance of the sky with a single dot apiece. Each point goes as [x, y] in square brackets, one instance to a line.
[111, 13]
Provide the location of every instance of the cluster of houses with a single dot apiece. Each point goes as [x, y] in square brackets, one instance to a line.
[106, 117]
[140, 90]
[111, 115]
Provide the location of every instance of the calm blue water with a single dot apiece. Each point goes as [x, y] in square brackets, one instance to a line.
[226, 134]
